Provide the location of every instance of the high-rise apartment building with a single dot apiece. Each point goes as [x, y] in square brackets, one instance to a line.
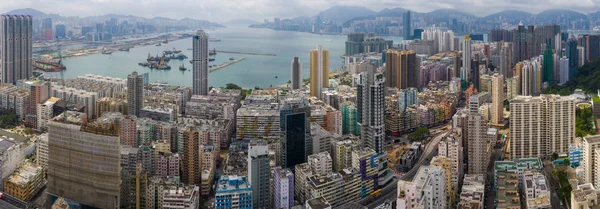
[370, 102]
[564, 70]
[84, 160]
[200, 66]
[402, 69]
[259, 174]
[296, 73]
[592, 51]
[283, 188]
[589, 158]
[497, 99]
[17, 51]
[319, 71]
[466, 58]
[135, 94]
[477, 144]
[342, 154]
[540, 126]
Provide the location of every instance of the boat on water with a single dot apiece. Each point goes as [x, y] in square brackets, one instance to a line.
[214, 40]
[106, 52]
[158, 44]
[182, 68]
[231, 58]
[211, 59]
[597, 28]
[213, 52]
[144, 64]
[124, 49]
[166, 41]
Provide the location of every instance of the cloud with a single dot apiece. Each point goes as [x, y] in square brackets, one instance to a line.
[225, 10]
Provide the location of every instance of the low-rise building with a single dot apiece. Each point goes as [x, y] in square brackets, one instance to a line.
[472, 194]
[25, 182]
[233, 191]
[317, 203]
[584, 196]
[158, 113]
[536, 191]
[507, 187]
[187, 197]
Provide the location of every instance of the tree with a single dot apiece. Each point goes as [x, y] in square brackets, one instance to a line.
[567, 162]
[289, 81]
[554, 156]
[232, 86]
[420, 134]
[28, 130]
[7, 119]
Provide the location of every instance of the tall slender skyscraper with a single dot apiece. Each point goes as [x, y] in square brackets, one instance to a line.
[573, 56]
[466, 58]
[200, 60]
[319, 70]
[406, 26]
[135, 93]
[16, 48]
[259, 174]
[296, 141]
[402, 69]
[296, 80]
[371, 105]
[548, 66]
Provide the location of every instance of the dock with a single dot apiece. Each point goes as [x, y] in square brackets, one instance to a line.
[248, 53]
[225, 64]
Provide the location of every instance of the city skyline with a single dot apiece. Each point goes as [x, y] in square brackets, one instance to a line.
[218, 11]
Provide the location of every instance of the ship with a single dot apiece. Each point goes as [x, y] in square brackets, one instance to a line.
[211, 59]
[124, 49]
[144, 64]
[48, 65]
[214, 40]
[182, 68]
[166, 41]
[597, 28]
[231, 58]
[213, 52]
[106, 52]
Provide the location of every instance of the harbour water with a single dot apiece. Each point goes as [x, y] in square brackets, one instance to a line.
[255, 70]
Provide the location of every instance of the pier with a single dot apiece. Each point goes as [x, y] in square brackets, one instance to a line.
[225, 64]
[249, 53]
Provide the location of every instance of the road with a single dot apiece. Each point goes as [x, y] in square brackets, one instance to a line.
[547, 171]
[390, 191]
[490, 194]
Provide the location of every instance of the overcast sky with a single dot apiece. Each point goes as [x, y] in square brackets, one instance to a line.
[225, 10]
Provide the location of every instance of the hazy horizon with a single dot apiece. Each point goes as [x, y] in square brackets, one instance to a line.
[221, 10]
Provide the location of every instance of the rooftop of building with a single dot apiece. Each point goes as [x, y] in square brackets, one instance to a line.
[593, 139]
[6, 143]
[364, 152]
[584, 192]
[5, 86]
[537, 99]
[319, 156]
[25, 174]
[19, 92]
[521, 163]
[106, 125]
[507, 190]
[262, 109]
[232, 184]
[158, 109]
[318, 203]
[181, 192]
[71, 117]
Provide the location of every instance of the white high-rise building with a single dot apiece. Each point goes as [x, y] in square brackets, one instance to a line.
[564, 70]
[16, 35]
[259, 173]
[466, 58]
[589, 158]
[371, 106]
[200, 66]
[540, 126]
